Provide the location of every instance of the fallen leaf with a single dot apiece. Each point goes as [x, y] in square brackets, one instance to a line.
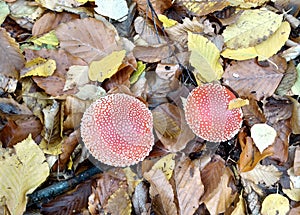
[119, 202]
[75, 37]
[263, 50]
[204, 58]
[161, 191]
[295, 119]
[22, 171]
[114, 9]
[263, 136]
[240, 208]
[202, 7]
[140, 199]
[166, 164]
[252, 27]
[11, 59]
[296, 87]
[166, 21]
[293, 194]
[4, 11]
[152, 54]
[268, 175]
[297, 162]
[187, 178]
[106, 67]
[139, 70]
[275, 204]
[237, 103]
[76, 76]
[39, 67]
[288, 80]
[48, 39]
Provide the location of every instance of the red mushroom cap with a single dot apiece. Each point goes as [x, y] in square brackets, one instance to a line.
[117, 130]
[207, 113]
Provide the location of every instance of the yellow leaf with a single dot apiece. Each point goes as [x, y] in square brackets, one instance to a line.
[49, 39]
[237, 103]
[204, 58]
[203, 7]
[166, 164]
[166, 21]
[39, 67]
[22, 171]
[275, 204]
[252, 28]
[240, 207]
[106, 67]
[139, 70]
[263, 50]
[293, 194]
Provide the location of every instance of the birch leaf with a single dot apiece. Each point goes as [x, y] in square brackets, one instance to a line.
[252, 28]
[204, 58]
[106, 67]
[22, 171]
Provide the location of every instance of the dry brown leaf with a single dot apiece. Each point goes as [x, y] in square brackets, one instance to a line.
[75, 37]
[11, 59]
[72, 202]
[54, 85]
[171, 127]
[222, 196]
[268, 175]
[161, 192]
[250, 155]
[247, 78]
[253, 113]
[152, 54]
[119, 202]
[158, 6]
[297, 162]
[288, 80]
[10, 108]
[147, 32]
[51, 20]
[189, 187]
[295, 119]
[212, 173]
[16, 130]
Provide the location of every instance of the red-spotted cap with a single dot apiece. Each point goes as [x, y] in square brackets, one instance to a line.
[207, 113]
[117, 130]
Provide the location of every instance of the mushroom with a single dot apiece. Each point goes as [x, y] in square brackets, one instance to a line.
[117, 130]
[207, 113]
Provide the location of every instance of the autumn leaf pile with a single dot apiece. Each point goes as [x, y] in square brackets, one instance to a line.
[57, 57]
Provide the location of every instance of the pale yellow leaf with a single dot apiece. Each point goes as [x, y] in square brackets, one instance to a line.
[203, 7]
[293, 194]
[268, 175]
[275, 204]
[22, 171]
[76, 76]
[240, 208]
[58, 5]
[90, 92]
[132, 180]
[4, 11]
[21, 9]
[114, 9]
[252, 28]
[166, 21]
[237, 103]
[247, 3]
[166, 164]
[49, 39]
[240, 54]
[39, 67]
[263, 135]
[106, 67]
[139, 70]
[204, 58]
[296, 87]
[274, 43]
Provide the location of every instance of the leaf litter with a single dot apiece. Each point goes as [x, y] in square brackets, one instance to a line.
[57, 57]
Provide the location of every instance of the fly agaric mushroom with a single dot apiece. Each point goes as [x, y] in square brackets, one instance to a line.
[207, 113]
[117, 130]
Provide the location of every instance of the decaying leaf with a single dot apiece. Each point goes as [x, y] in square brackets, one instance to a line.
[295, 119]
[151, 54]
[268, 175]
[249, 79]
[263, 50]
[76, 76]
[275, 204]
[106, 67]
[296, 87]
[189, 187]
[166, 164]
[11, 59]
[204, 7]
[252, 28]
[75, 37]
[288, 80]
[240, 208]
[22, 171]
[263, 135]
[119, 202]
[204, 58]
[297, 162]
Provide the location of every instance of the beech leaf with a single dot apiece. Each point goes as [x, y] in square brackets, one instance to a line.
[204, 58]
[275, 204]
[114, 9]
[39, 67]
[263, 135]
[252, 28]
[22, 171]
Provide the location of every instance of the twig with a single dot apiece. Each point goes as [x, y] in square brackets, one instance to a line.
[60, 187]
